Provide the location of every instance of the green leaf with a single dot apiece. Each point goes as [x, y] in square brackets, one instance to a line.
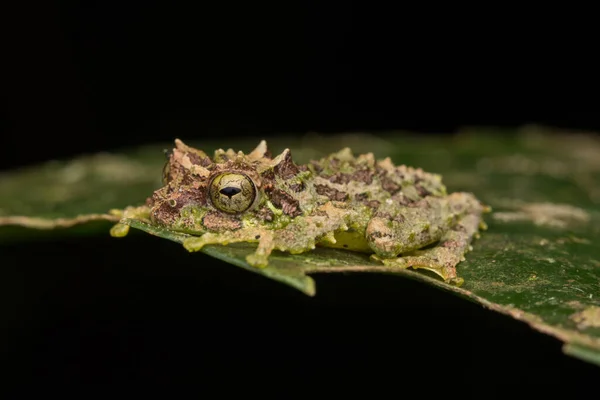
[70, 193]
[538, 262]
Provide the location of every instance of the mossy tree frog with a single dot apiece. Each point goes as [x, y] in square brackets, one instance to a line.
[402, 216]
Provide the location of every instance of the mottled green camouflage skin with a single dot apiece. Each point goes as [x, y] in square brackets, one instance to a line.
[356, 203]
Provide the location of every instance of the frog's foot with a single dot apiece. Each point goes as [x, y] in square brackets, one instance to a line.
[436, 260]
[197, 243]
[121, 229]
[260, 258]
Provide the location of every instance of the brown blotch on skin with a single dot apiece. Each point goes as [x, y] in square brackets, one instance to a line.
[219, 222]
[423, 203]
[264, 214]
[399, 218]
[319, 213]
[268, 175]
[363, 175]
[197, 160]
[194, 158]
[384, 215]
[372, 203]
[361, 196]
[285, 202]
[332, 193]
[379, 235]
[401, 199]
[340, 178]
[316, 166]
[387, 216]
[178, 171]
[297, 187]
[286, 168]
[422, 191]
[268, 180]
[381, 172]
[389, 185]
[186, 180]
[292, 209]
[164, 214]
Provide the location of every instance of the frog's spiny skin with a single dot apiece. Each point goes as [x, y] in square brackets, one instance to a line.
[356, 203]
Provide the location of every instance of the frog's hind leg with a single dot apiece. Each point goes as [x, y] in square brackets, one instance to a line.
[443, 257]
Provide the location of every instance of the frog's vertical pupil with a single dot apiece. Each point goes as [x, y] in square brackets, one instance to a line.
[230, 191]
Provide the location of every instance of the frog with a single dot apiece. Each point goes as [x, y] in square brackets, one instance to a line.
[400, 216]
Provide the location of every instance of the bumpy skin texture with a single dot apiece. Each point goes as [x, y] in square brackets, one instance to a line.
[342, 201]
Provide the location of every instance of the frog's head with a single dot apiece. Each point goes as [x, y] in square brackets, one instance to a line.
[228, 191]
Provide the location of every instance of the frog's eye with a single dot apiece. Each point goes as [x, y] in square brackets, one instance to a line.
[232, 193]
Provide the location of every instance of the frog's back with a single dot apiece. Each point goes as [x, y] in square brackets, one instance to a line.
[364, 180]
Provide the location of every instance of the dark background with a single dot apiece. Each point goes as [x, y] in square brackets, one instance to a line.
[90, 76]
[84, 76]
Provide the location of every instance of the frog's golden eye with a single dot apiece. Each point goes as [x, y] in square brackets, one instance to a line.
[232, 193]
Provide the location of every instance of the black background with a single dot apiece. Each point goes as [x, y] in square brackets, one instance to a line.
[90, 76]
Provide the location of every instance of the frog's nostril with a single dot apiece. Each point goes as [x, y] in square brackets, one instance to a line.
[230, 191]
